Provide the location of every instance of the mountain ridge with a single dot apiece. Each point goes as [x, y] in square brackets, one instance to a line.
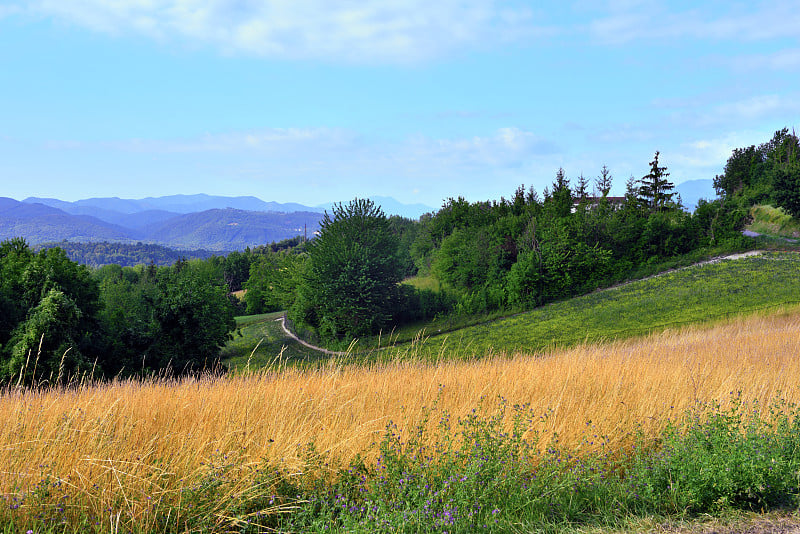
[179, 221]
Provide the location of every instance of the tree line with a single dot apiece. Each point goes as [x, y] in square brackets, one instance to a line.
[124, 254]
[59, 318]
[511, 254]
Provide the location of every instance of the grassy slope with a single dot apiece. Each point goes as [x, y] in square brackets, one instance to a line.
[773, 221]
[259, 341]
[696, 294]
[200, 454]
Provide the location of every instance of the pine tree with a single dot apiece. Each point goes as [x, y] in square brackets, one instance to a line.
[603, 182]
[654, 189]
[582, 188]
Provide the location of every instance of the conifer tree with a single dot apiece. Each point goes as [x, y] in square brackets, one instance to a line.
[654, 189]
[603, 182]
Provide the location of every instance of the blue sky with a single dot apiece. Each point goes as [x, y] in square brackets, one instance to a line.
[325, 100]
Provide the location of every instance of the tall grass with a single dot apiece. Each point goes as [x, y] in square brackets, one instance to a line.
[174, 455]
[773, 221]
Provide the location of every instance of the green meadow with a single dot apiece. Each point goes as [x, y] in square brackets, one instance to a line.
[697, 294]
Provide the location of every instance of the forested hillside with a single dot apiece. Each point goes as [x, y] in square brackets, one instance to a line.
[220, 230]
[467, 259]
[60, 321]
[123, 254]
[510, 254]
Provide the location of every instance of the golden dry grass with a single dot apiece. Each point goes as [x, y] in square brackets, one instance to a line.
[125, 445]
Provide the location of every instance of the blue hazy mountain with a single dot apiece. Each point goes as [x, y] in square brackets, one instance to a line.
[215, 229]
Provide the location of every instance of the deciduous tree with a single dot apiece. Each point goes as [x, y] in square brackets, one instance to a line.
[351, 286]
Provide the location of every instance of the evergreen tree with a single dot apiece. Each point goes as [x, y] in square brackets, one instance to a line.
[654, 187]
[786, 175]
[561, 196]
[603, 182]
[581, 188]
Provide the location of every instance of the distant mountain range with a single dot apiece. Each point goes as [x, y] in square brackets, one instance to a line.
[180, 221]
[189, 222]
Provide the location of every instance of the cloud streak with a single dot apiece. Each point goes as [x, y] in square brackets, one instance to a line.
[627, 22]
[354, 31]
[506, 147]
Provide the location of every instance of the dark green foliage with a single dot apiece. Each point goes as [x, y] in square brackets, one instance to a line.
[720, 220]
[195, 319]
[525, 252]
[786, 175]
[560, 198]
[60, 320]
[273, 282]
[406, 231]
[44, 345]
[465, 258]
[351, 284]
[769, 173]
[655, 188]
[124, 254]
[175, 317]
[668, 233]
[15, 255]
[49, 314]
[236, 270]
[604, 181]
[742, 171]
[293, 243]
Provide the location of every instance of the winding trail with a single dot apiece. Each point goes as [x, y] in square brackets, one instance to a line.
[716, 259]
[292, 335]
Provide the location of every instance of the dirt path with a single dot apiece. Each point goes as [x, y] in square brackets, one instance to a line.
[289, 333]
[769, 523]
[698, 264]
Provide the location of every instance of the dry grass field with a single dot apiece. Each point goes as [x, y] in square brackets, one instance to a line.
[127, 449]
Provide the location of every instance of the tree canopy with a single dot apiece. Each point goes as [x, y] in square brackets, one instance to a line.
[350, 286]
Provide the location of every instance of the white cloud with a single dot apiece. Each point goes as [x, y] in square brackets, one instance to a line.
[301, 146]
[707, 157]
[505, 147]
[347, 30]
[709, 153]
[710, 111]
[756, 107]
[325, 159]
[781, 60]
[630, 21]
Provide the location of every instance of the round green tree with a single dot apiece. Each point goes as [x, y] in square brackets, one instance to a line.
[351, 284]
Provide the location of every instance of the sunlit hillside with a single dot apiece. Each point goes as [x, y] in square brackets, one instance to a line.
[137, 450]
